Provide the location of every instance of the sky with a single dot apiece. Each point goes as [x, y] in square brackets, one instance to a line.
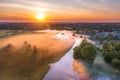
[60, 10]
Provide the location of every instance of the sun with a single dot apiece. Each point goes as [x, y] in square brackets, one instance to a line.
[40, 16]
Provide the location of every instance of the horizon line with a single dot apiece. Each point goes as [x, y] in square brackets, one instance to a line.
[60, 22]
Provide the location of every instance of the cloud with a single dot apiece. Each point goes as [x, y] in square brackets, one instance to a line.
[78, 1]
[76, 7]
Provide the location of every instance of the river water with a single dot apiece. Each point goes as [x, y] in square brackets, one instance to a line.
[63, 69]
[69, 69]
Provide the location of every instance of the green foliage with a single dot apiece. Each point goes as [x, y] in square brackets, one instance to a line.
[116, 62]
[77, 52]
[108, 57]
[88, 53]
[112, 53]
[85, 51]
[117, 46]
[106, 37]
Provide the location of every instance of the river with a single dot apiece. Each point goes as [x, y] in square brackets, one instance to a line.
[69, 69]
[63, 69]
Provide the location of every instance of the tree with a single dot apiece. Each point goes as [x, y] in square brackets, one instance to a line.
[96, 37]
[105, 45]
[88, 53]
[34, 55]
[117, 46]
[116, 62]
[85, 51]
[35, 50]
[112, 53]
[77, 53]
[108, 56]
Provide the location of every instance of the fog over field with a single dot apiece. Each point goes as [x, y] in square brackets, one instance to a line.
[59, 39]
[27, 55]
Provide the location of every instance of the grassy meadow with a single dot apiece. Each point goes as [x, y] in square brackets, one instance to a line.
[27, 55]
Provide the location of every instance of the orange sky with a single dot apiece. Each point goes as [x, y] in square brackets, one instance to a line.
[67, 10]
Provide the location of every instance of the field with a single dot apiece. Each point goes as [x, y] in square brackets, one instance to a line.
[8, 32]
[26, 56]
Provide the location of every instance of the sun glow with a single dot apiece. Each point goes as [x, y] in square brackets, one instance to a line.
[40, 16]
